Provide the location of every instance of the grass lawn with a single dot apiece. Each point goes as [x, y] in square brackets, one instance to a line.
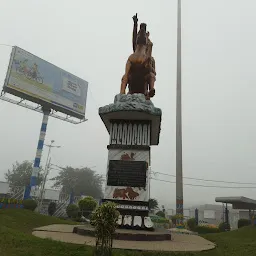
[16, 239]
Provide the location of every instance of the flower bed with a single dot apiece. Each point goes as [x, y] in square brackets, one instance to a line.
[10, 203]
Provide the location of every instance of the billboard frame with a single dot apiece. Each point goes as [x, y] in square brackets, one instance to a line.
[38, 108]
[24, 96]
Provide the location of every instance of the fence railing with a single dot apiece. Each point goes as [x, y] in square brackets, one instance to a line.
[16, 192]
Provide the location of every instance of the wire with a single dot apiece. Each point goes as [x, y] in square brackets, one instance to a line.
[220, 181]
[8, 45]
[93, 99]
[205, 186]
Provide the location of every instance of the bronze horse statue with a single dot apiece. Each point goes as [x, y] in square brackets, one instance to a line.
[140, 67]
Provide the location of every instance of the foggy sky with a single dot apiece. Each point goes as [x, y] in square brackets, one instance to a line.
[92, 39]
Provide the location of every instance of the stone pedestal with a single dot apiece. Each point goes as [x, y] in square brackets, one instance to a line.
[133, 124]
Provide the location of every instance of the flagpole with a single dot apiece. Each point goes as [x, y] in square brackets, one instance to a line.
[179, 175]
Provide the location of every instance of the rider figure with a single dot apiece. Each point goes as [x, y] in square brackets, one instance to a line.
[150, 64]
[23, 65]
[34, 70]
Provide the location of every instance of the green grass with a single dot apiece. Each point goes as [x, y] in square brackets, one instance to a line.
[16, 239]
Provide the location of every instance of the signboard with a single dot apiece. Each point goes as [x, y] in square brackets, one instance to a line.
[127, 177]
[50, 194]
[127, 173]
[39, 81]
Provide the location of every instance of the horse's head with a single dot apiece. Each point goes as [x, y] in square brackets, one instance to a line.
[142, 35]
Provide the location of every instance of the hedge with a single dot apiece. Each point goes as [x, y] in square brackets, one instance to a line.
[243, 223]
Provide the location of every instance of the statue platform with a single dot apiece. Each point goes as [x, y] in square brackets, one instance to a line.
[133, 124]
[133, 107]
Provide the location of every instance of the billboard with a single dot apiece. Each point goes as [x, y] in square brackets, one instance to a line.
[39, 81]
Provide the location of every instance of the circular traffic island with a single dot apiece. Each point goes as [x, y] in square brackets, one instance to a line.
[179, 242]
[128, 234]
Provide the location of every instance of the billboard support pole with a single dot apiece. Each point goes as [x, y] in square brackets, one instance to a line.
[35, 173]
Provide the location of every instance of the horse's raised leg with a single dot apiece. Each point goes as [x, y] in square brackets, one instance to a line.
[125, 77]
[146, 88]
[152, 80]
[123, 84]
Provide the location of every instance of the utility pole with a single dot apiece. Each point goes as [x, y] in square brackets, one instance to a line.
[179, 175]
[46, 172]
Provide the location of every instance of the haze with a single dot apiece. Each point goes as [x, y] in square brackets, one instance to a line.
[92, 39]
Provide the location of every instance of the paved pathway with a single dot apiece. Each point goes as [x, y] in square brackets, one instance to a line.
[180, 242]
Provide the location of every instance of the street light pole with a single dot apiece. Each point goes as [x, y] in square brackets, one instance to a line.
[179, 175]
[46, 172]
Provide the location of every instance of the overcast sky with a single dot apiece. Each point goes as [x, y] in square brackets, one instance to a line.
[92, 39]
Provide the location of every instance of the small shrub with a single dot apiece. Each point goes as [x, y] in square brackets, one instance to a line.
[4, 200]
[191, 224]
[223, 226]
[30, 204]
[206, 230]
[159, 220]
[161, 214]
[72, 211]
[104, 220]
[87, 205]
[243, 223]
[52, 208]
[177, 218]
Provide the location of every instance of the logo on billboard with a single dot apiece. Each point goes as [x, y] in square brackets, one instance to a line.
[78, 106]
[71, 87]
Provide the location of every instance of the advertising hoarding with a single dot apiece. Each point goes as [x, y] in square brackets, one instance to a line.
[39, 81]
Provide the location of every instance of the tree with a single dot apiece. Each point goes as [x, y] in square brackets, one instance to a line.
[83, 181]
[153, 204]
[21, 173]
[191, 224]
[161, 214]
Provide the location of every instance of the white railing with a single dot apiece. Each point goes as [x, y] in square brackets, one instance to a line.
[16, 192]
[62, 206]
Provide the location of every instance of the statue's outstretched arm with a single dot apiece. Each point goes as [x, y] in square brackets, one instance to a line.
[135, 29]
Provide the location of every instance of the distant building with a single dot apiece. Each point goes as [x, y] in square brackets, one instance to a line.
[213, 214]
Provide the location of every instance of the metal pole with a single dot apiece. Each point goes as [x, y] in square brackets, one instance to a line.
[47, 168]
[196, 216]
[149, 181]
[49, 152]
[179, 177]
[35, 173]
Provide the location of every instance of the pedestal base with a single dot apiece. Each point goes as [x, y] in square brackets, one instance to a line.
[128, 235]
[134, 125]
[133, 107]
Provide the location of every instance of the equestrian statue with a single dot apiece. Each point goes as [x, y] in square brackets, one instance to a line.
[140, 74]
